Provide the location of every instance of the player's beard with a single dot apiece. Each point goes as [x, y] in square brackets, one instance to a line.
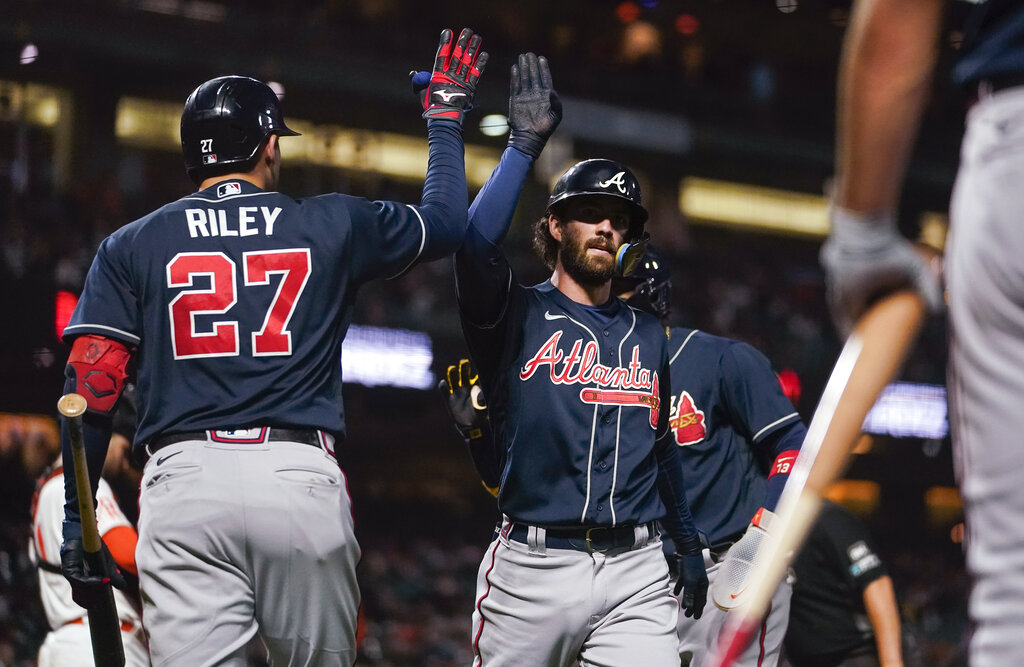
[584, 268]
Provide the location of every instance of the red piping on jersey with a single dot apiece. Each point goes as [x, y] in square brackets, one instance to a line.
[479, 603]
[764, 632]
[39, 542]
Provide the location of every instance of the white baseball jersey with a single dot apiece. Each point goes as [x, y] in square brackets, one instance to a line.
[68, 643]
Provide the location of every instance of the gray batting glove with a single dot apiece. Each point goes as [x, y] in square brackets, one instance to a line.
[866, 258]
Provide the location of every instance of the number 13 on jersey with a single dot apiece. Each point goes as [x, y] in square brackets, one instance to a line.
[273, 338]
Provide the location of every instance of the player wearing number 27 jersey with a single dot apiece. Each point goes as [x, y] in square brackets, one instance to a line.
[235, 301]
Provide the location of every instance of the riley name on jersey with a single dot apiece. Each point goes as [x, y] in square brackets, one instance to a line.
[213, 222]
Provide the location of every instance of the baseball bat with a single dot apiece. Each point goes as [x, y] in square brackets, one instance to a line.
[104, 624]
[871, 356]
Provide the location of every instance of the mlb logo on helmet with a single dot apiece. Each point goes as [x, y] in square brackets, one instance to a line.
[210, 159]
[225, 189]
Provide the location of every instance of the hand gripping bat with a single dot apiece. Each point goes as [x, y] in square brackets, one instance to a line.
[871, 356]
[104, 625]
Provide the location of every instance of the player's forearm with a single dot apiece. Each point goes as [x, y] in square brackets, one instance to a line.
[443, 205]
[485, 460]
[884, 78]
[880, 602]
[678, 520]
[96, 439]
[492, 209]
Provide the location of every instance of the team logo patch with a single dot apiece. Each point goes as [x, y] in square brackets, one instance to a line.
[226, 189]
[687, 422]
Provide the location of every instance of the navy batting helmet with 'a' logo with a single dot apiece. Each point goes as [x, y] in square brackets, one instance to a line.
[601, 177]
[226, 120]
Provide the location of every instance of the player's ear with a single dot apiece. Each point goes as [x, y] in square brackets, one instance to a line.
[271, 152]
[555, 227]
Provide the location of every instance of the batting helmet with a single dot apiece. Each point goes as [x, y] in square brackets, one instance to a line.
[651, 285]
[602, 177]
[226, 120]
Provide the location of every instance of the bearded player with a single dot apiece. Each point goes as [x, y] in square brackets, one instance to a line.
[578, 390]
[729, 416]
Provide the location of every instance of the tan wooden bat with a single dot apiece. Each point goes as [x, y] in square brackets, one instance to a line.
[104, 625]
[870, 358]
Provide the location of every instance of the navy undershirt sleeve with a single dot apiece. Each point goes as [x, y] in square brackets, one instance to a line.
[483, 276]
[443, 204]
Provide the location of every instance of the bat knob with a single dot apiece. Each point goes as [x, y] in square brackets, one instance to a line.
[71, 405]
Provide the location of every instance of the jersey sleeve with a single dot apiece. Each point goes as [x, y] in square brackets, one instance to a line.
[107, 306]
[752, 393]
[389, 238]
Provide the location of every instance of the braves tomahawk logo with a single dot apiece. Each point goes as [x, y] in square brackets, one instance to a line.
[627, 386]
[687, 422]
[618, 180]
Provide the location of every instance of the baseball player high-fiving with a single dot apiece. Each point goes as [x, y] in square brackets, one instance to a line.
[234, 301]
[577, 386]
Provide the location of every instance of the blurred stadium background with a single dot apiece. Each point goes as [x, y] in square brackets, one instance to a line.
[724, 108]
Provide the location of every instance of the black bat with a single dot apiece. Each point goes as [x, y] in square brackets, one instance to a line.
[104, 624]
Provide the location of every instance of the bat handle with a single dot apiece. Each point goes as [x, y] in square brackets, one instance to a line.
[107, 647]
[72, 406]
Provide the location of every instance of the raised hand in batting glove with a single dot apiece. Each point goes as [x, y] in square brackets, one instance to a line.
[451, 88]
[464, 399]
[692, 581]
[866, 258]
[89, 574]
[534, 109]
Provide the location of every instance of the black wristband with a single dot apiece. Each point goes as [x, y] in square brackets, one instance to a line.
[527, 142]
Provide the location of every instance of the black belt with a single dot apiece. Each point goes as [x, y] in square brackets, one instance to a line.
[598, 539]
[997, 82]
[304, 436]
[719, 549]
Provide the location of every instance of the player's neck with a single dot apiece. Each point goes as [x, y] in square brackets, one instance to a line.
[588, 295]
[248, 176]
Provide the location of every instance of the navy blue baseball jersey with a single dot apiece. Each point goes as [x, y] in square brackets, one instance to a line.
[993, 43]
[577, 395]
[726, 401]
[229, 294]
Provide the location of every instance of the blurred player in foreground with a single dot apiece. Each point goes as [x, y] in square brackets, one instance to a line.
[886, 69]
[235, 301]
[578, 391]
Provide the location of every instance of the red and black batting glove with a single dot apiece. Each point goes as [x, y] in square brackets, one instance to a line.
[452, 85]
[534, 109]
[88, 573]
